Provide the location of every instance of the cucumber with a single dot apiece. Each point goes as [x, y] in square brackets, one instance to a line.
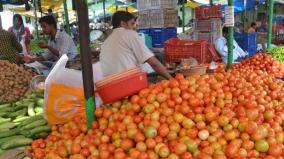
[9, 133]
[31, 119]
[4, 130]
[31, 109]
[38, 110]
[14, 143]
[40, 129]
[19, 103]
[7, 125]
[40, 135]
[25, 132]
[19, 107]
[2, 140]
[21, 112]
[3, 120]
[20, 119]
[35, 124]
[7, 109]
[3, 114]
[1, 151]
[5, 105]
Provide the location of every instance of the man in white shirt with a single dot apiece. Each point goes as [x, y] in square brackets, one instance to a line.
[59, 43]
[124, 49]
[222, 47]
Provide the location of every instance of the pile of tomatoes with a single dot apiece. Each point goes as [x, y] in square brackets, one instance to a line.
[264, 62]
[233, 115]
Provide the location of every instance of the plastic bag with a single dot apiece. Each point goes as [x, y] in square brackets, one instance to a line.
[64, 94]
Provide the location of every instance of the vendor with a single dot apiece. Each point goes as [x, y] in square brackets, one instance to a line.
[252, 28]
[124, 49]
[59, 43]
[9, 47]
[21, 32]
[222, 47]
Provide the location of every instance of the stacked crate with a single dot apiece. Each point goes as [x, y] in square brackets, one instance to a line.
[208, 25]
[158, 18]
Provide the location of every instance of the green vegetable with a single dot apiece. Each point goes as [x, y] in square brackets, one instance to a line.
[35, 124]
[2, 140]
[40, 102]
[41, 135]
[31, 119]
[21, 112]
[4, 106]
[4, 130]
[9, 133]
[31, 109]
[3, 114]
[19, 107]
[7, 109]
[38, 110]
[3, 120]
[20, 119]
[40, 129]
[14, 143]
[277, 53]
[7, 125]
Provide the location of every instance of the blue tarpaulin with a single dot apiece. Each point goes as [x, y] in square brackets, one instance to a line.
[239, 5]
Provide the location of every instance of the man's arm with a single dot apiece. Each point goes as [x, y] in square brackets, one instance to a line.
[158, 67]
[51, 49]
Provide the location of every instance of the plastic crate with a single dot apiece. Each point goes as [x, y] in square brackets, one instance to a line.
[207, 12]
[163, 18]
[213, 54]
[176, 49]
[210, 37]
[143, 19]
[143, 4]
[161, 4]
[144, 31]
[247, 41]
[214, 25]
[160, 35]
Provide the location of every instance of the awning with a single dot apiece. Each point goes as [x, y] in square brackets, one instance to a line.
[55, 5]
[118, 8]
[192, 4]
[22, 11]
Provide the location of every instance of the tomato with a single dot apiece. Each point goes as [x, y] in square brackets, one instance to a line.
[75, 149]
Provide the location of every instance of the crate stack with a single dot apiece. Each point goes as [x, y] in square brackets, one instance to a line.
[247, 41]
[208, 24]
[158, 19]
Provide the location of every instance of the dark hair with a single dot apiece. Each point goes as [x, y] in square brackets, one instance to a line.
[18, 16]
[253, 24]
[225, 30]
[121, 16]
[49, 10]
[48, 20]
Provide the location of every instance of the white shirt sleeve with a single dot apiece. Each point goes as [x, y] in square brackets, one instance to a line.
[67, 46]
[221, 46]
[239, 50]
[47, 55]
[140, 50]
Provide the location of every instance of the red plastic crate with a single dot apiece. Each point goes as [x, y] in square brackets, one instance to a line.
[122, 87]
[176, 49]
[207, 12]
[213, 54]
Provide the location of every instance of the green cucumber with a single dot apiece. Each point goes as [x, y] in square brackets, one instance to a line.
[7, 125]
[31, 119]
[20, 119]
[40, 129]
[40, 135]
[5, 105]
[21, 112]
[14, 143]
[9, 133]
[35, 124]
[2, 140]
[4, 130]
[7, 109]
[31, 109]
[38, 110]
[19, 107]
[3, 120]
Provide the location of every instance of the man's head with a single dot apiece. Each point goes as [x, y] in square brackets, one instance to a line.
[123, 19]
[48, 24]
[253, 25]
[49, 10]
[225, 32]
[17, 21]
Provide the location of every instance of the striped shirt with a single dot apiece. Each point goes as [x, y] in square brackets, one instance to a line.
[64, 44]
[9, 47]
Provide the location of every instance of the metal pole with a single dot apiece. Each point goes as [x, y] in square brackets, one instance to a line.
[66, 17]
[270, 21]
[87, 70]
[36, 24]
[230, 41]
[183, 16]
[104, 7]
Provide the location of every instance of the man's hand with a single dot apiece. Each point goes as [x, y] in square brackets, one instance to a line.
[28, 59]
[43, 45]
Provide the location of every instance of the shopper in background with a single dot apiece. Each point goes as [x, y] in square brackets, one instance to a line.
[124, 49]
[21, 32]
[221, 45]
[50, 12]
[9, 47]
[59, 43]
[252, 28]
